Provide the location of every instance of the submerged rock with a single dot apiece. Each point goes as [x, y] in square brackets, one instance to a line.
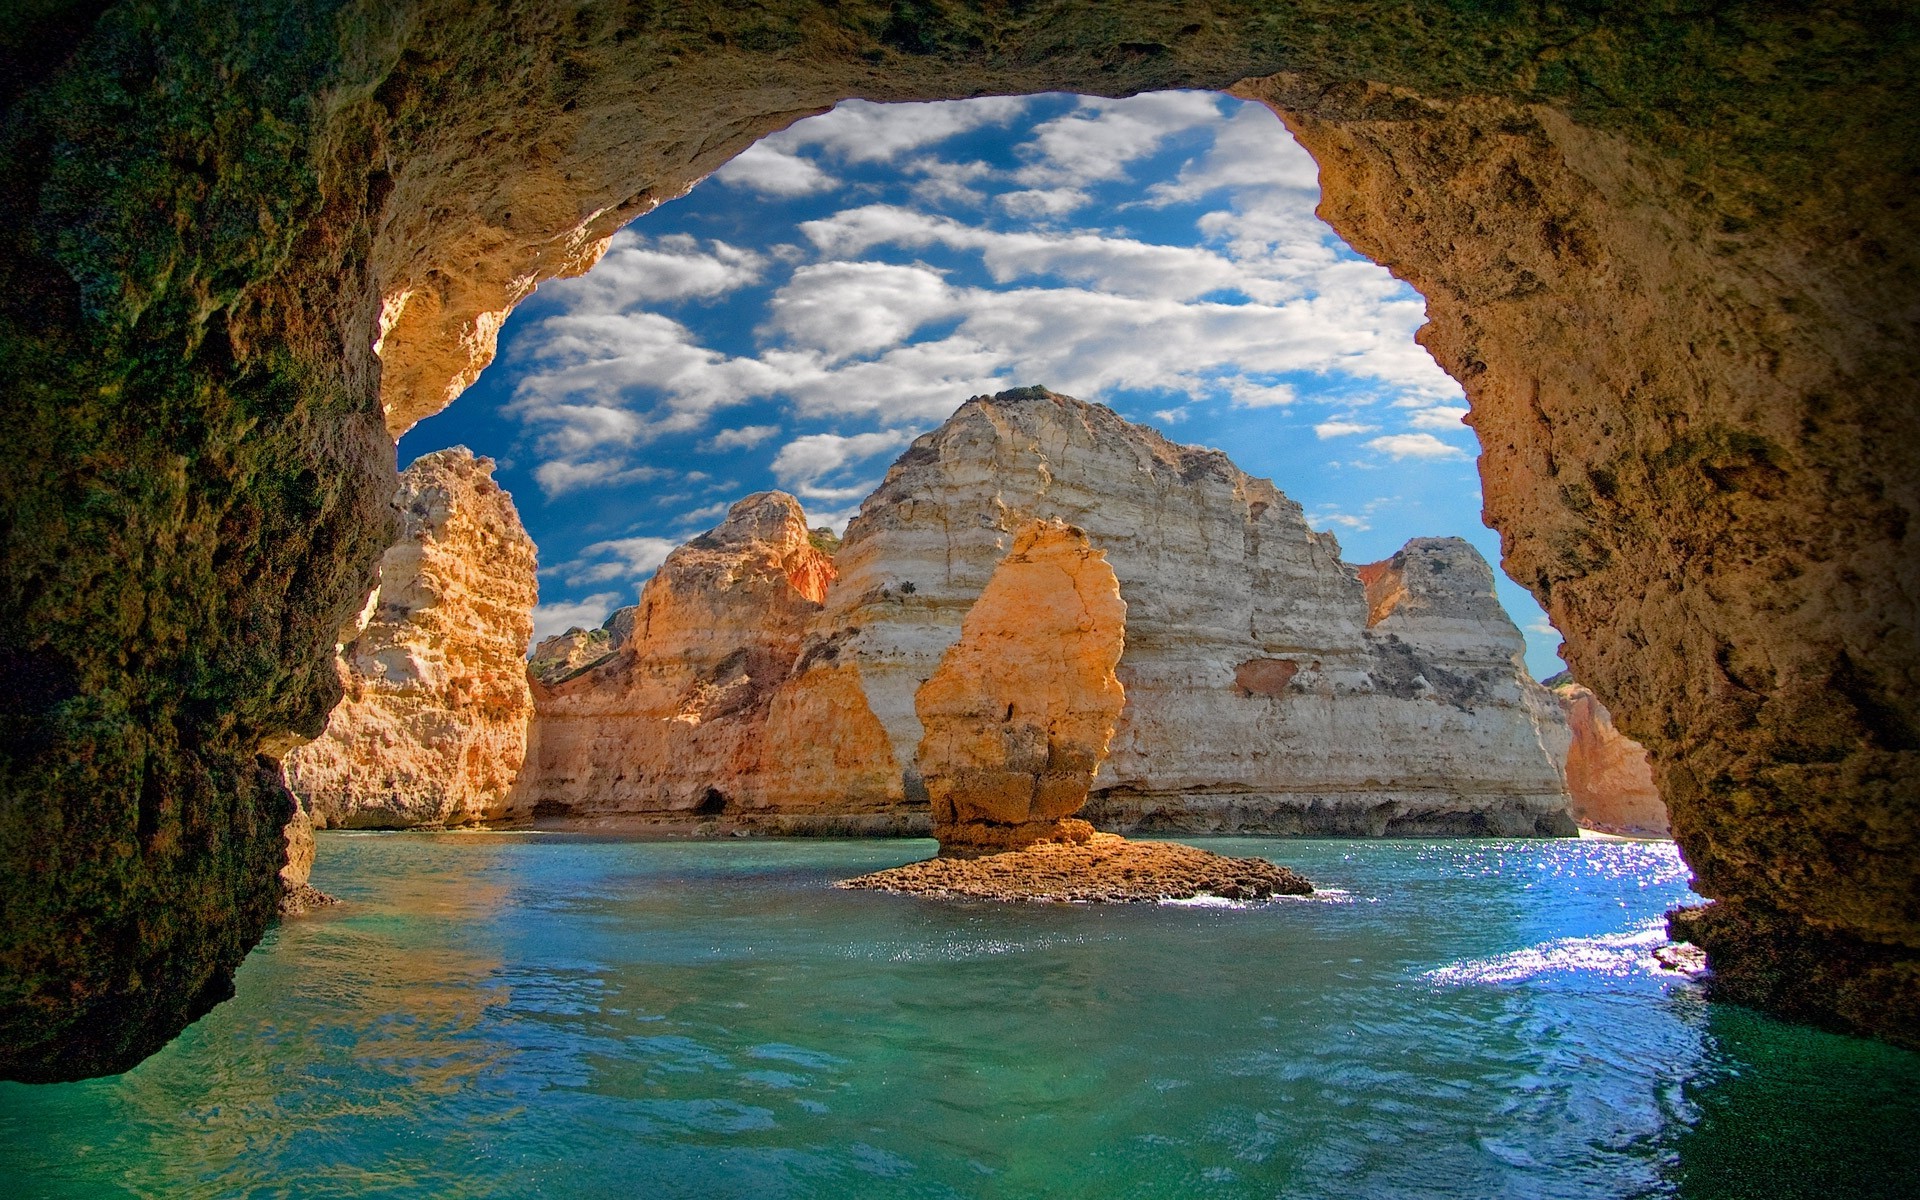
[432, 727]
[1100, 869]
[1020, 712]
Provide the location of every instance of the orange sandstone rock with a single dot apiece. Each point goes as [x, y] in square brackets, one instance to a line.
[432, 728]
[1021, 711]
[1607, 771]
[673, 722]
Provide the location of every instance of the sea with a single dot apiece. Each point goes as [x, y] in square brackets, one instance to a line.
[493, 1014]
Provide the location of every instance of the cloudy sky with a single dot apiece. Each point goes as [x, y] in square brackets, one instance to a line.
[844, 285]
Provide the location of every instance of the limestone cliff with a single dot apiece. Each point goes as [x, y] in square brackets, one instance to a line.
[433, 723]
[1258, 697]
[1019, 714]
[682, 719]
[1608, 774]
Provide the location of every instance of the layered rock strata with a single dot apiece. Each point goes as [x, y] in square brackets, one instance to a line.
[1608, 774]
[432, 727]
[685, 721]
[1019, 714]
[1669, 261]
[1259, 697]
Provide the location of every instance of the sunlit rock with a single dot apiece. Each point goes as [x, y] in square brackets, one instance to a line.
[1021, 709]
[1608, 774]
[433, 724]
[673, 723]
[1258, 697]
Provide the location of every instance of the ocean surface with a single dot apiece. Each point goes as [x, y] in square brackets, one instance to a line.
[520, 1015]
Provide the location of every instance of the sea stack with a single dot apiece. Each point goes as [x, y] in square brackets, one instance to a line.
[432, 728]
[1020, 712]
[1608, 774]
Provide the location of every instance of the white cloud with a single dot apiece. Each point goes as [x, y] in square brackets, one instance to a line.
[772, 170]
[562, 476]
[703, 514]
[746, 437]
[617, 558]
[588, 612]
[1438, 417]
[848, 308]
[861, 131]
[1247, 394]
[1251, 149]
[804, 464]
[943, 182]
[1330, 516]
[637, 271]
[1119, 265]
[1334, 429]
[1101, 139]
[1041, 204]
[1415, 445]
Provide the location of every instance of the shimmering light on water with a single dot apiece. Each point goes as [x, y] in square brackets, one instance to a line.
[540, 1015]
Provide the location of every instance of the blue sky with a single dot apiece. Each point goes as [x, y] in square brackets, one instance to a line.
[844, 285]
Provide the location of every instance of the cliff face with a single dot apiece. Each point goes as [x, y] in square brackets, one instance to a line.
[1261, 693]
[1608, 774]
[1258, 698]
[680, 719]
[433, 723]
[1019, 714]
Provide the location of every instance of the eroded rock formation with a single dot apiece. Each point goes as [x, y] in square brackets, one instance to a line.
[1608, 774]
[1667, 257]
[1259, 699]
[683, 720]
[565, 655]
[1020, 711]
[432, 727]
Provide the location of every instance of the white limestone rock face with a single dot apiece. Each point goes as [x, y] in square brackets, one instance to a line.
[432, 728]
[1260, 696]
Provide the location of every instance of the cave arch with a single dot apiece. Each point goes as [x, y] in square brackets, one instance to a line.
[1665, 252]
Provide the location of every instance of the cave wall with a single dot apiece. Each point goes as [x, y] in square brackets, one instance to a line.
[241, 244]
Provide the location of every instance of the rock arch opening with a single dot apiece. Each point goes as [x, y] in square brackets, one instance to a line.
[1665, 259]
[889, 260]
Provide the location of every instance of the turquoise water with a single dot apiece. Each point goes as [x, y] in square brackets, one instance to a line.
[545, 1015]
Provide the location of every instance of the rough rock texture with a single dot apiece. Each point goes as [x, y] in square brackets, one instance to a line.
[300, 897]
[432, 728]
[675, 723]
[1020, 711]
[1098, 869]
[1258, 698]
[565, 655]
[1667, 253]
[1608, 774]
